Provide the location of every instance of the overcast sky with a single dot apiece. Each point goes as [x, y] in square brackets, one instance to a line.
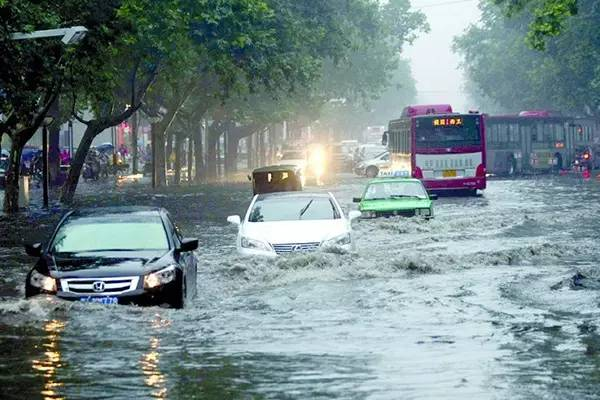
[434, 66]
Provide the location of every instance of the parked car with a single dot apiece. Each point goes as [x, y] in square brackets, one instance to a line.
[387, 197]
[115, 255]
[292, 222]
[370, 168]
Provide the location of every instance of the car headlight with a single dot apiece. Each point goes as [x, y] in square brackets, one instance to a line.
[340, 240]
[43, 282]
[423, 211]
[368, 214]
[254, 244]
[161, 277]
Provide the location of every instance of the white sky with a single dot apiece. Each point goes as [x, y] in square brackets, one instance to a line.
[434, 65]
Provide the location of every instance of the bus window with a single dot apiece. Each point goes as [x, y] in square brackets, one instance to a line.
[514, 133]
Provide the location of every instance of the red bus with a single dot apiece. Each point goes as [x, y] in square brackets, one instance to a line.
[446, 150]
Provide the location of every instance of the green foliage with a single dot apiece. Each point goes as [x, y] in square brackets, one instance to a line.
[549, 17]
[504, 69]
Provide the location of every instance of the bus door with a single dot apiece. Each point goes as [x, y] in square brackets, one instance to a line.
[570, 142]
[526, 145]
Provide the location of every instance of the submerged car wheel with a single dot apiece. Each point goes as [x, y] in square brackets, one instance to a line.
[372, 171]
[178, 298]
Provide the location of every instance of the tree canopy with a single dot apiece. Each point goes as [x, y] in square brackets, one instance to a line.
[505, 70]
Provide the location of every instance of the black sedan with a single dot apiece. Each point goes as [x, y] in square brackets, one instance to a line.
[117, 255]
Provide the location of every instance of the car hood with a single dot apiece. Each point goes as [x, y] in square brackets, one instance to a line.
[394, 204]
[284, 232]
[109, 264]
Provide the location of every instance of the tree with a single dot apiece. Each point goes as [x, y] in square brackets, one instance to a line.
[504, 70]
[33, 72]
[550, 17]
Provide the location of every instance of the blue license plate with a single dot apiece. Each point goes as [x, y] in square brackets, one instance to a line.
[99, 300]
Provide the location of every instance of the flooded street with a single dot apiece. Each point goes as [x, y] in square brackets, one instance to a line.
[497, 297]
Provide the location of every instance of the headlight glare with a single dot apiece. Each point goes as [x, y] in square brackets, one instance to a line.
[43, 282]
[161, 277]
[254, 244]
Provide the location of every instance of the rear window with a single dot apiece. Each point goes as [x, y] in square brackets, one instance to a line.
[101, 233]
[293, 209]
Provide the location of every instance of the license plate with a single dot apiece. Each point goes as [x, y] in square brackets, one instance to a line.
[99, 300]
[449, 173]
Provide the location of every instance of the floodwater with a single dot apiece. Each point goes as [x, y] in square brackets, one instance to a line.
[496, 298]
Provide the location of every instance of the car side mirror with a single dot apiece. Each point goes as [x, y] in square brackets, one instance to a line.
[249, 178]
[34, 249]
[234, 219]
[352, 215]
[433, 197]
[356, 199]
[188, 244]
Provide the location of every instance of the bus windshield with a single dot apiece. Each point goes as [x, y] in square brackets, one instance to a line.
[447, 131]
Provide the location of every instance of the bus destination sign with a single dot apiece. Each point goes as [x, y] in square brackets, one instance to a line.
[455, 121]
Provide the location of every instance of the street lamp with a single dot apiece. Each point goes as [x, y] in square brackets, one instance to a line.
[47, 121]
[70, 35]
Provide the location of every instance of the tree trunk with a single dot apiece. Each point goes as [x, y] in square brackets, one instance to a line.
[134, 144]
[11, 186]
[233, 142]
[250, 151]
[261, 148]
[211, 155]
[198, 156]
[178, 153]
[190, 160]
[169, 149]
[158, 149]
[68, 192]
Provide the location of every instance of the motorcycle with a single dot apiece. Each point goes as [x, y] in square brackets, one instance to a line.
[91, 167]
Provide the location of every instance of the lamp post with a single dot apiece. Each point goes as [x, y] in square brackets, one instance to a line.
[47, 121]
[70, 35]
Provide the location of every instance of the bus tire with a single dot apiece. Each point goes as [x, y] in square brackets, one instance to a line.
[372, 171]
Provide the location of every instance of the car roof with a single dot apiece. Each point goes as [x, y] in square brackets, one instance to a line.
[277, 168]
[117, 210]
[394, 179]
[284, 195]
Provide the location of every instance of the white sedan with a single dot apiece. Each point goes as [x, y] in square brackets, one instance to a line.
[290, 222]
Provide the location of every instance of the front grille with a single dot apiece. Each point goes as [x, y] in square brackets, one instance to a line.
[400, 213]
[111, 286]
[296, 247]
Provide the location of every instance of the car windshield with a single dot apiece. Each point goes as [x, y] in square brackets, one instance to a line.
[111, 233]
[293, 155]
[387, 190]
[293, 209]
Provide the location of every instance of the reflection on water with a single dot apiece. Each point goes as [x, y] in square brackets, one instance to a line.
[50, 363]
[154, 378]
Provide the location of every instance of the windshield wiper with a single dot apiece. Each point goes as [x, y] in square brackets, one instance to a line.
[304, 209]
[405, 196]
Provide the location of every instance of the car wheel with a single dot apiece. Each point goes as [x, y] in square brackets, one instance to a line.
[372, 171]
[178, 298]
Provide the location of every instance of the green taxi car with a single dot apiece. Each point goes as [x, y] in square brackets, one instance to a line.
[386, 197]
